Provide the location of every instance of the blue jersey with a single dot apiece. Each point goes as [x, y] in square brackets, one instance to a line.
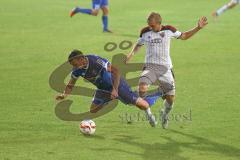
[95, 72]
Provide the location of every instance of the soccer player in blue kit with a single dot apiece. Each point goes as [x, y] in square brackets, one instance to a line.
[110, 85]
[96, 6]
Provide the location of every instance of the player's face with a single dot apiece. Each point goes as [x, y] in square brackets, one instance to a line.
[156, 26]
[78, 62]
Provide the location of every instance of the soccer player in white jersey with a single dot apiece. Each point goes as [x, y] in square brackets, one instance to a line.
[227, 6]
[158, 65]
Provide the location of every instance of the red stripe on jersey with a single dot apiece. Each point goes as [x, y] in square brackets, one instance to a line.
[169, 27]
[144, 30]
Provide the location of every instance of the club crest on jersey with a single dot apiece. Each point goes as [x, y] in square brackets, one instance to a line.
[162, 34]
[99, 61]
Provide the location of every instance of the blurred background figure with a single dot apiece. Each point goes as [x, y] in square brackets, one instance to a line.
[96, 6]
[227, 6]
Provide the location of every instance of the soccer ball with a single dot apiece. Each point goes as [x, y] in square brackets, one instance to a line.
[87, 127]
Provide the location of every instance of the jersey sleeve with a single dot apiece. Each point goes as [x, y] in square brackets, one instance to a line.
[140, 41]
[74, 75]
[174, 33]
[177, 34]
[103, 62]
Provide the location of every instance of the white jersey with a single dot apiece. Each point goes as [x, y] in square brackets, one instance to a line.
[158, 44]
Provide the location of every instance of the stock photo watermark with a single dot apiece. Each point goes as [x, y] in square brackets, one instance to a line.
[56, 82]
[133, 117]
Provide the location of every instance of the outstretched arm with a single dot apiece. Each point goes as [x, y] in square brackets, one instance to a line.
[135, 49]
[116, 80]
[67, 90]
[201, 23]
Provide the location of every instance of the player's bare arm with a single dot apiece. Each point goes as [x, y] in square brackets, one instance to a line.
[201, 24]
[135, 49]
[116, 79]
[232, 5]
[67, 90]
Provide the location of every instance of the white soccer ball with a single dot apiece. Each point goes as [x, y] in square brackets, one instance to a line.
[87, 127]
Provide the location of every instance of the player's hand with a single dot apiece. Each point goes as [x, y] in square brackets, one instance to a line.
[114, 94]
[202, 22]
[60, 97]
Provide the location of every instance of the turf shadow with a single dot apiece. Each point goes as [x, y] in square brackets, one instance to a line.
[172, 149]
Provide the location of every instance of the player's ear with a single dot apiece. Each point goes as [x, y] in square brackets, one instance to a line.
[70, 62]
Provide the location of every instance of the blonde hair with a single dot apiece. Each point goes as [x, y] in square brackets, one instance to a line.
[154, 16]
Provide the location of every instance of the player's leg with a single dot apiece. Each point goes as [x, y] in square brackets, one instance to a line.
[127, 96]
[148, 77]
[144, 105]
[105, 19]
[100, 99]
[105, 10]
[93, 11]
[230, 5]
[168, 103]
[96, 5]
[167, 85]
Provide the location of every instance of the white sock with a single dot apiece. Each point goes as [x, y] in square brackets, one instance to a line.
[221, 10]
[148, 111]
[167, 107]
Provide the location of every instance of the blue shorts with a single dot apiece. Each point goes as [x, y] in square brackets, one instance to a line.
[97, 4]
[125, 95]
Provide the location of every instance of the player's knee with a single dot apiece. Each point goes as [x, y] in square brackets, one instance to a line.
[142, 104]
[105, 11]
[95, 12]
[170, 99]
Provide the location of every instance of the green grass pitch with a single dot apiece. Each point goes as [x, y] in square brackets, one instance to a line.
[35, 37]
